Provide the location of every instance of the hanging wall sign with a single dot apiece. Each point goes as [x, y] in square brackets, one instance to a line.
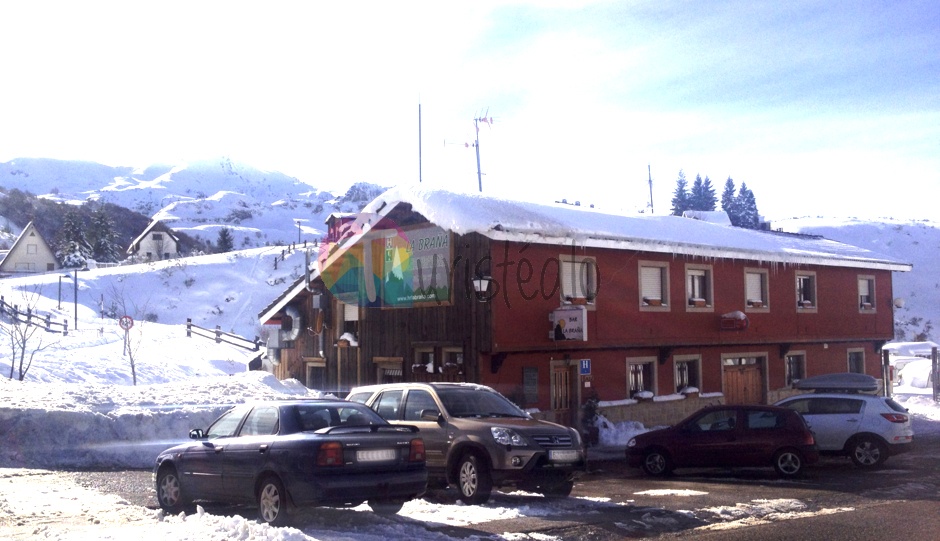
[569, 323]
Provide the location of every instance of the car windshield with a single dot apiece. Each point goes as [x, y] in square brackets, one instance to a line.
[476, 402]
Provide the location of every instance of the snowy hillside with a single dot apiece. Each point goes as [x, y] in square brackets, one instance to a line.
[262, 208]
[224, 290]
[917, 309]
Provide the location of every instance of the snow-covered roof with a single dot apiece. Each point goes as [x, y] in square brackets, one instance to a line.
[540, 223]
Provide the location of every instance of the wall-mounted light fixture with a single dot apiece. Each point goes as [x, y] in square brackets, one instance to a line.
[481, 284]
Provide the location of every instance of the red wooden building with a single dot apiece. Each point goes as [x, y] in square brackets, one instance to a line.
[574, 303]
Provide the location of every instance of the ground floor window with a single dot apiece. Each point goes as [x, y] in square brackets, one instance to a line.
[796, 368]
[687, 372]
[640, 376]
[857, 361]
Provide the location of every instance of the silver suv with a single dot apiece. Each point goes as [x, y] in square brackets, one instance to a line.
[476, 439]
[847, 421]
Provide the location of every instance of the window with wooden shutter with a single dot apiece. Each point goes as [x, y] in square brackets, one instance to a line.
[578, 279]
[755, 288]
[866, 292]
[653, 281]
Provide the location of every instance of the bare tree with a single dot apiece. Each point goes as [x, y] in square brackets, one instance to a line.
[26, 332]
[122, 305]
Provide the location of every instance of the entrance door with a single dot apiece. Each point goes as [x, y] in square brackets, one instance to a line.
[743, 380]
[561, 395]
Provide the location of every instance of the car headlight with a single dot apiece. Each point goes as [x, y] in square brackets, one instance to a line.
[632, 442]
[506, 436]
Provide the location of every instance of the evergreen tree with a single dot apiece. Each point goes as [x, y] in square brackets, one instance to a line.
[749, 216]
[680, 198]
[72, 248]
[103, 237]
[729, 203]
[225, 242]
[702, 195]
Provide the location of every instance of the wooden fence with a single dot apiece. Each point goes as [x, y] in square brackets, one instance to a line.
[219, 336]
[18, 316]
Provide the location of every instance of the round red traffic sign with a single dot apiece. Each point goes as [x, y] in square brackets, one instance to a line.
[126, 322]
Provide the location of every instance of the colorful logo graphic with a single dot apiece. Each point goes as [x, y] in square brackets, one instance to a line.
[374, 263]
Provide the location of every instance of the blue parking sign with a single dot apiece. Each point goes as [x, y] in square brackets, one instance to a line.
[585, 367]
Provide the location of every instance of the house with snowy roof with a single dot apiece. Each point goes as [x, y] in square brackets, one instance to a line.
[30, 253]
[554, 304]
[156, 242]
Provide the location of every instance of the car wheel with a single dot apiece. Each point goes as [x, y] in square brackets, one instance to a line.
[868, 452]
[169, 490]
[561, 489]
[272, 502]
[657, 463]
[385, 507]
[473, 480]
[788, 463]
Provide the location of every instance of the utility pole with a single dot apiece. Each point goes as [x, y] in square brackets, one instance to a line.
[476, 145]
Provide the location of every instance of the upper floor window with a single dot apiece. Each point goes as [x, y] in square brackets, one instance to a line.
[698, 286]
[578, 279]
[157, 236]
[866, 292]
[806, 290]
[654, 284]
[32, 248]
[755, 288]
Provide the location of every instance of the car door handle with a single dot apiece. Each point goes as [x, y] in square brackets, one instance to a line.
[263, 448]
[219, 448]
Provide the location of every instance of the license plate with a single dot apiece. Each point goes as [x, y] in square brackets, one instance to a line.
[375, 455]
[564, 455]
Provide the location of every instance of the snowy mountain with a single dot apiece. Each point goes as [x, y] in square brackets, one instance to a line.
[262, 208]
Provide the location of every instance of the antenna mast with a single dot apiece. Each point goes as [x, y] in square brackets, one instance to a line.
[476, 144]
[419, 141]
[649, 171]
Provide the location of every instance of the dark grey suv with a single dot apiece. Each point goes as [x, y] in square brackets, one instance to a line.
[476, 439]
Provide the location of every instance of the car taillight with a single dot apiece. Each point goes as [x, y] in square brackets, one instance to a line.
[895, 417]
[330, 454]
[417, 451]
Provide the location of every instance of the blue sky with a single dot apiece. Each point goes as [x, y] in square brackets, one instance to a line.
[821, 108]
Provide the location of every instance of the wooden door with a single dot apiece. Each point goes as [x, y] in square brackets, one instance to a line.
[561, 395]
[743, 383]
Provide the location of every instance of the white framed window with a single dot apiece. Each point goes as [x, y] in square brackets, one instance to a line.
[578, 279]
[32, 248]
[641, 375]
[756, 291]
[698, 287]
[688, 372]
[856, 360]
[654, 285]
[866, 293]
[806, 291]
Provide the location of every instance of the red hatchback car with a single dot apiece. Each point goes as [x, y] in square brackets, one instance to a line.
[728, 436]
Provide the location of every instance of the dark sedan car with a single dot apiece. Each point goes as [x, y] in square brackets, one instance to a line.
[728, 436]
[299, 453]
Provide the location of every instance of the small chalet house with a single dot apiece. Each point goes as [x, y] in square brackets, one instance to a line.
[156, 242]
[29, 254]
[556, 304]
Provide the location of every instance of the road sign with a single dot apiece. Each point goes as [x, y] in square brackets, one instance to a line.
[126, 322]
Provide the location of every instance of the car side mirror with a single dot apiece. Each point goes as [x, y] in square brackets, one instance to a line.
[196, 434]
[430, 414]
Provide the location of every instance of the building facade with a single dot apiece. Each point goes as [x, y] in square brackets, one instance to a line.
[557, 305]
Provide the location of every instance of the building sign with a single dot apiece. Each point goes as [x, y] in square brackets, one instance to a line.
[585, 367]
[416, 271]
[569, 323]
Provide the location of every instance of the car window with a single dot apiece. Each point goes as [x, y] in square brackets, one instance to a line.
[388, 403]
[895, 406]
[261, 421]
[765, 419]
[417, 401]
[715, 420]
[835, 406]
[226, 425]
[356, 416]
[473, 402]
[361, 398]
[314, 418]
